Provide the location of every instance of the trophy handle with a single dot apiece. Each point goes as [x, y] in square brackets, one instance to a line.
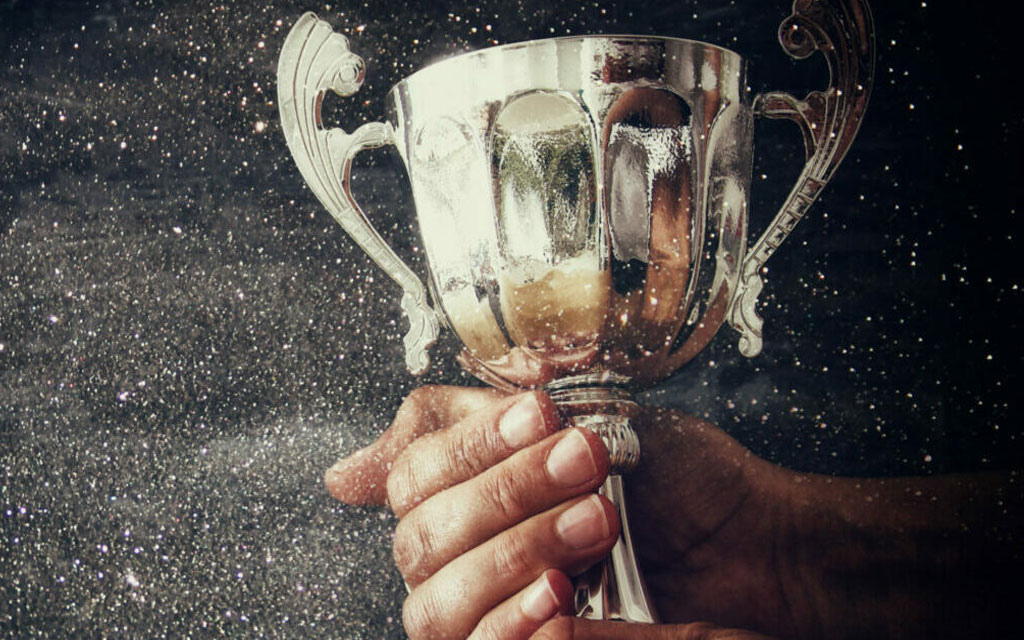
[313, 60]
[843, 30]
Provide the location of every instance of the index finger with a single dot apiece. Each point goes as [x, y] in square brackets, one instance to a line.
[360, 478]
[466, 449]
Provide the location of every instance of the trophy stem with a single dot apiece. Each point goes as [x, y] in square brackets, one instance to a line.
[614, 589]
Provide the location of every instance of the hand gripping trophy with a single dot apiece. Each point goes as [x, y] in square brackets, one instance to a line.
[583, 207]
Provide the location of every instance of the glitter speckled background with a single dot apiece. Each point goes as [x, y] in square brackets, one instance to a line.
[187, 339]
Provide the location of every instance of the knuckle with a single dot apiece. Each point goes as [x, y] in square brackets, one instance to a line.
[398, 489]
[473, 448]
[506, 494]
[413, 546]
[511, 555]
[489, 629]
[423, 615]
[460, 454]
[404, 483]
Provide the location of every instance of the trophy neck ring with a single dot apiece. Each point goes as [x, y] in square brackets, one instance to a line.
[583, 391]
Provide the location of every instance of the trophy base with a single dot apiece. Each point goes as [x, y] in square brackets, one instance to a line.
[614, 589]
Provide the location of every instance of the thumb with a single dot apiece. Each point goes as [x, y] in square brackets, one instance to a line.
[361, 478]
[569, 628]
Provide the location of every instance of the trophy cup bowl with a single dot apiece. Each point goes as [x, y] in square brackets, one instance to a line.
[582, 203]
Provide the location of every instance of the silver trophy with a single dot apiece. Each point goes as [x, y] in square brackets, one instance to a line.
[583, 208]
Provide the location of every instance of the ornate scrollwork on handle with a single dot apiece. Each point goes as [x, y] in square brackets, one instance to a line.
[844, 32]
[314, 60]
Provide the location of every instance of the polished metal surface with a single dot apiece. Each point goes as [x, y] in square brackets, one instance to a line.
[582, 203]
[843, 31]
[314, 60]
[615, 589]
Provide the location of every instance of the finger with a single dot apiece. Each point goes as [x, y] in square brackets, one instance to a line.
[568, 628]
[480, 440]
[570, 538]
[565, 465]
[522, 614]
[360, 478]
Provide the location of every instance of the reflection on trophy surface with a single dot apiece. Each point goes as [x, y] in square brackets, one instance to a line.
[583, 225]
[583, 208]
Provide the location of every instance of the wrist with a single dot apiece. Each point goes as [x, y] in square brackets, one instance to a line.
[807, 525]
[899, 557]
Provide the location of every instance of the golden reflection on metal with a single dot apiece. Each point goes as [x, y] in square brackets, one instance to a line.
[583, 207]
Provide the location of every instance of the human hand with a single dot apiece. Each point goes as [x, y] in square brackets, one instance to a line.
[569, 628]
[722, 535]
[727, 537]
[706, 514]
[496, 509]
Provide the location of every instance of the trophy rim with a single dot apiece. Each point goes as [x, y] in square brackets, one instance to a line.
[523, 44]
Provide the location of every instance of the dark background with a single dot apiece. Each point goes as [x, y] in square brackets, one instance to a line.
[187, 339]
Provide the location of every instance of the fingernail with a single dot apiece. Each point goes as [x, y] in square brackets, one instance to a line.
[570, 462]
[539, 602]
[522, 423]
[583, 525]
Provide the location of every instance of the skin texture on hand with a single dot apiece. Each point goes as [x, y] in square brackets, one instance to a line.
[497, 512]
[568, 628]
[496, 506]
[706, 513]
[914, 557]
[727, 537]
[484, 486]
